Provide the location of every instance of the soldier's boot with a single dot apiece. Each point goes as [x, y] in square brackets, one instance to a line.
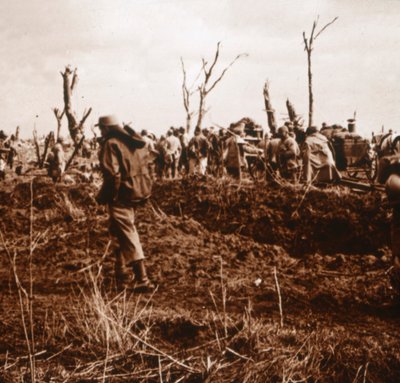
[122, 277]
[122, 280]
[142, 281]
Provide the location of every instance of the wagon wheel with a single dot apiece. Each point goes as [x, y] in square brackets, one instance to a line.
[257, 169]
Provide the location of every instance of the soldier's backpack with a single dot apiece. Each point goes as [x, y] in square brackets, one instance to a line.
[142, 181]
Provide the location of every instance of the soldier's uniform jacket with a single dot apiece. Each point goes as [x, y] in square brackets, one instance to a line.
[198, 147]
[288, 153]
[124, 163]
[56, 160]
[174, 145]
[318, 159]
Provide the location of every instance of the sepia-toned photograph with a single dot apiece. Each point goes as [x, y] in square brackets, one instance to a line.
[200, 191]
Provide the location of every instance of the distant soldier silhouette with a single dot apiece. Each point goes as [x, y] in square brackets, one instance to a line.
[288, 154]
[2, 168]
[56, 161]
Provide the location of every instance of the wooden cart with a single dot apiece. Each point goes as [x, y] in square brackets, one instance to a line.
[355, 156]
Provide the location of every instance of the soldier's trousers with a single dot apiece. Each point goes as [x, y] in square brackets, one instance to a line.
[122, 227]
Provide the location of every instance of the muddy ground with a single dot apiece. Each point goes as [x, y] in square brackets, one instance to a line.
[255, 284]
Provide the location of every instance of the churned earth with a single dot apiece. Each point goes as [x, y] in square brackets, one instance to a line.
[255, 284]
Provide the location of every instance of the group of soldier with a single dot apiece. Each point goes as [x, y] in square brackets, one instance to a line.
[291, 153]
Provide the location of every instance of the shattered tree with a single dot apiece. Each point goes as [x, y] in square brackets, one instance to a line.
[291, 111]
[186, 94]
[37, 147]
[294, 118]
[208, 85]
[308, 47]
[48, 143]
[59, 115]
[17, 133]
[268, 108]
[70, 79]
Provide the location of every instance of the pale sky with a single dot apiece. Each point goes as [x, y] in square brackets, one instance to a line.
[128, 57]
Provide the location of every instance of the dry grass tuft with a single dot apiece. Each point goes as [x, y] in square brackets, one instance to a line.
[107, 321]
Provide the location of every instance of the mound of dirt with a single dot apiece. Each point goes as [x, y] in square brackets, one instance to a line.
[320, 220]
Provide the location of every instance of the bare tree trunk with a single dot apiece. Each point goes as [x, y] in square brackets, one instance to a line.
[68, 86]
[201, 110]
[188, 123]
[59, 117]
[308, 47]
[186, 93]
[268, 108]
[310, 91]
[291, 112]
[37, 148]
[47, 144]
[70, 79]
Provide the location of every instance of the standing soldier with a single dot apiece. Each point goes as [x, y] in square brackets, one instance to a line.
[215, 153]
[149, 143]
[2, 167]
[235, 151]
[11, 156]
[288, 154]
[174, 149]
[183, 160]
[161, 149]
[56, 161]
[126, 183]
[318, 162]
[198, 153]
[150, 146]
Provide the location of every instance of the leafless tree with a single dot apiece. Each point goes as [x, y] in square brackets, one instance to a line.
[37, 146]
[308, 47]
[208, 85]
[48, 143]
[59, 115]
[268, 108]
[291, 111]
[293, 116]
[186, 93]
[70, 79]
